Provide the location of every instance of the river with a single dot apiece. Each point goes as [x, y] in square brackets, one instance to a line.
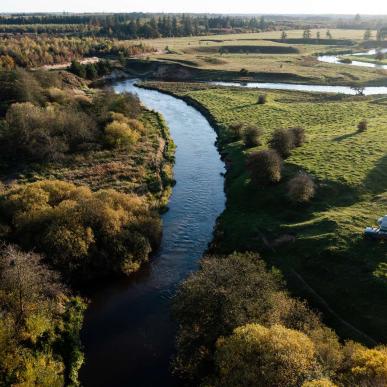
[369, 90]
[128, 332]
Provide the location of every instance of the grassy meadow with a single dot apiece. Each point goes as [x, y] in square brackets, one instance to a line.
[321, 242]
[292, 60]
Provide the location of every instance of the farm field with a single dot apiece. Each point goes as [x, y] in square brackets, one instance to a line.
[350, 169]
[252, 56]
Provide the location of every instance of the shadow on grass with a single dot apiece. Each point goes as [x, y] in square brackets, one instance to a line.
[345, 136]
[376, 180]
[240, 107]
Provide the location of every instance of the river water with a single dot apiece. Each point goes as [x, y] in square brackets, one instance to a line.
[128, 332]
[370, 90]
[336, 59]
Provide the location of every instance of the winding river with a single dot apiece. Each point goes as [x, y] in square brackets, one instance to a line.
[128, 332]
[370, 90]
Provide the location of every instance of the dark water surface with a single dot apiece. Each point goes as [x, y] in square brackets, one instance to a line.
[128, 333]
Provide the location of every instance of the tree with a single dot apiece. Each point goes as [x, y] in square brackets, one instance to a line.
[284, 35]
[26, 281]
[77, 69]
[367, 34]
[359, 90]
[301, 188]
[283, 141]
[225, 293]
[329, 34]
[307, 34]
[265, 166]
[257, 356]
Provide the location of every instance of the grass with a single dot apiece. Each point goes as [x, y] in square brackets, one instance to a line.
[293, 62]
[350, 169]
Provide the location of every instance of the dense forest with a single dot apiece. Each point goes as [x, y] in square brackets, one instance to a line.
[144, 25]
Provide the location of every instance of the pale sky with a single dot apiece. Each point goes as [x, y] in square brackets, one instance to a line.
[377, 7]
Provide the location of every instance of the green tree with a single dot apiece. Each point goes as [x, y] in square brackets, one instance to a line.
[367, 34]
[307, 34]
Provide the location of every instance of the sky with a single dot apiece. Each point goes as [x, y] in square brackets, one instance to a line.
[377, 7]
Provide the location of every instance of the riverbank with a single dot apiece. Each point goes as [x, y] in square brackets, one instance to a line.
[327, 234]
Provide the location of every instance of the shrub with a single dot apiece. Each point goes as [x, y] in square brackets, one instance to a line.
[80, 230]
[262, 99]
[243, 72]
[106, 102]
[299, 136]
[319, 383]
[301, 188]
[252, 136]
[283, 141]
[39, 134]
[265, 166]
[236, 131]
[362, 126]
[120, 134]
[77, 69]
[286, 357]
[364, 366]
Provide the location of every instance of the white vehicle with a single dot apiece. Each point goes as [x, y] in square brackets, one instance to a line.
[377, 233]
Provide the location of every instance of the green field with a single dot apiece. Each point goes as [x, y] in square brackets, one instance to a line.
[350, 168]
[293, 60]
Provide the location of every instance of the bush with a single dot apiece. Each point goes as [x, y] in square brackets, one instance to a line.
[120, 135]
[236, 131]
[299, 136]
[252, 136]
[286, 357]
[362, 126]
[262, 99]
[40, 134]
[265, 166]
[80, 230]
[301, 189]
[283, 141]
[243, 72]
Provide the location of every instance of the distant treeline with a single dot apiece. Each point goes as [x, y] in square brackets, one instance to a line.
[26, 51]
[132, 25]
